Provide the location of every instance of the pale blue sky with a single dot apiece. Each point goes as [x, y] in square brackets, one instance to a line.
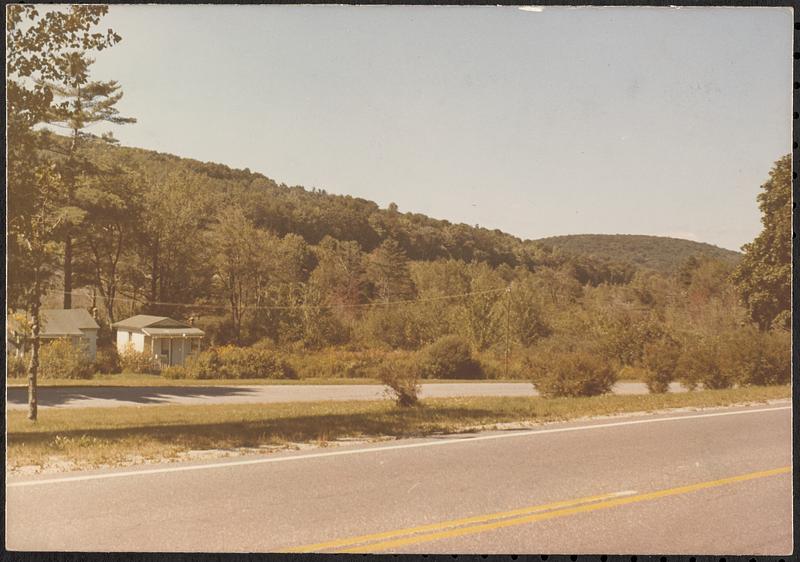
[607, 120]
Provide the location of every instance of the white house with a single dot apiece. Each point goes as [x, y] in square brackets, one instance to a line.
[74, 324]
[165, 339]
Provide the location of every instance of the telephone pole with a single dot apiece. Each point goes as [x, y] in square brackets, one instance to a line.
[508, 327]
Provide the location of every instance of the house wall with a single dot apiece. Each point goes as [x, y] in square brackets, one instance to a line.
[123, 337]
[137, 339]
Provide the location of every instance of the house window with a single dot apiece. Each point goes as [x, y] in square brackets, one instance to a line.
[164, 346]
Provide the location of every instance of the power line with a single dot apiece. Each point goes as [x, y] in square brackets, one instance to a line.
[284, 307]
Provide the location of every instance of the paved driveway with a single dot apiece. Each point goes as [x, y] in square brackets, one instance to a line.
[113, 396]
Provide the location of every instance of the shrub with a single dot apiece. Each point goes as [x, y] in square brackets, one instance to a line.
[338, 363]
[699, 363]
[752, 357]
[60, 359]
[449, 357]
[132, 361]
[16, 365]
[659, 359]
[401, 375]
[571, 372]
[230, 362]
[175, 372]
[107, 360]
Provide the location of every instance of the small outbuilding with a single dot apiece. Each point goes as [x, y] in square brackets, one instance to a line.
[167, 340]
[73, 324]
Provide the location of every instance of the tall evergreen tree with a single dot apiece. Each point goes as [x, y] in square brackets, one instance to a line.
[78, 103]
[387, 270]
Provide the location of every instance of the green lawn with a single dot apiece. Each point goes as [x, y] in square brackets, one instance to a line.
[91, 436]
[135, 379]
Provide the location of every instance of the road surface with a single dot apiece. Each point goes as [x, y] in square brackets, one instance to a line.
[703, 482]
[113, 396]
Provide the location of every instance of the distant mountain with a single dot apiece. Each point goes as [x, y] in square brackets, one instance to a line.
[655, 252]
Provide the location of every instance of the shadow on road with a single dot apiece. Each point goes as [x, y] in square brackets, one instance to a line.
[61, 395]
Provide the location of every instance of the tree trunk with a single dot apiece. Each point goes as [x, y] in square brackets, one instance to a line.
[33, 370]
[155, 277]
[68, 271]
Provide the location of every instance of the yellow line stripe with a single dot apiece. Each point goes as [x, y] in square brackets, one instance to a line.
[374, 547]
[448, 524]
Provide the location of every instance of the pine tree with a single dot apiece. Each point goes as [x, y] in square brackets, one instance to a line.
[387, 270]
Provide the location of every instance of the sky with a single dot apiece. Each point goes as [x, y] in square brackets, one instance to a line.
[540, 122]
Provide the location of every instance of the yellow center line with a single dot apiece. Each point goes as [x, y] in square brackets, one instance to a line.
[482, 523]
[448, 524]
[374, 547]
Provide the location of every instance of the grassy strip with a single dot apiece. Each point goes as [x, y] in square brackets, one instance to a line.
[91, 437]
[135, 380]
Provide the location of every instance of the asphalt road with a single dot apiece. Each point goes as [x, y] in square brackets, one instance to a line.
[114, 396]
[703, 482]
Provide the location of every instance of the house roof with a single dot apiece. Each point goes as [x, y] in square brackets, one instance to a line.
[66, 322]
[142, 321]
[180, 332]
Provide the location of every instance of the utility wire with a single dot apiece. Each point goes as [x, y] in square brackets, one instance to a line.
[285, 307]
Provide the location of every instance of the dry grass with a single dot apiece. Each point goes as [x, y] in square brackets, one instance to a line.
[135, 379]
[87, 437]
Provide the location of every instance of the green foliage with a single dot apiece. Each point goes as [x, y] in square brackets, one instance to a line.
[61, 360]
[622, 336]
[16, 366]
[659, 253]
[175, 372]
[753, 357]
[133, 361]
[339, 363]
[401, 375]
[700, 363]
[659, 359]
[570, 370]
[107, 360]
[231, 362]
[449, 357]
[764, 275]
[393, 327]
[387, 270]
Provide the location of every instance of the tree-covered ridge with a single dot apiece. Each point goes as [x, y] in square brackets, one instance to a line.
[314, 214]
[660, 253]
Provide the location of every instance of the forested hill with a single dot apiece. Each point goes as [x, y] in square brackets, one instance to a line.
[655, 252]
[315, 214]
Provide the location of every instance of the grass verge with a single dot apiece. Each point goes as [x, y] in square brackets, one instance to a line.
[134, 379]
[89, 437]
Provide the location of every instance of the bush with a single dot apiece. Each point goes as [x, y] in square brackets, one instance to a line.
[401, 374]
[16, 366]
[175, 372]
[571, 372]
[132, 361]
[699, 363]
[230, 362]
[107, 360]
[659, 359]
[338, 363]
[62, 360]
[752, 357]
[449, 357]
